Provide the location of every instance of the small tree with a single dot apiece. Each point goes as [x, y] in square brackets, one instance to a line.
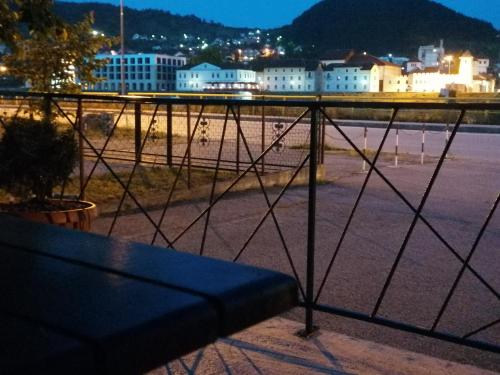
[53, 56]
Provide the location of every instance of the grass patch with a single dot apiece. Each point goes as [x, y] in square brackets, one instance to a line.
[149, 185]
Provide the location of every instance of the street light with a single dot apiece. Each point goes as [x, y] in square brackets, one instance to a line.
[449, 59]
[122, 48]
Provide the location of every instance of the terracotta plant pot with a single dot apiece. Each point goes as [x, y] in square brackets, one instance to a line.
[77, 218]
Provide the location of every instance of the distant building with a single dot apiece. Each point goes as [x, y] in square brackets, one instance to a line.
[432, 79]
[360, 73]
[398, 60]
[207, 77]
[430, 55]
[293, 75]
[336, 56]
[481, 66]
[413, 65]
[144, 72]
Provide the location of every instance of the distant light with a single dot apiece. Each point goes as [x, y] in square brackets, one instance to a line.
[3, 69]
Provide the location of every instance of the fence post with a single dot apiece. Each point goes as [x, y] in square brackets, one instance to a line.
[365, 144]
[137, 131]
[423, 145]
[323, 138]
[188, 117]
[447, 134]
[238, 124]
[169, 135]
[311, 219]
[263, 139]
[79, 125]
[396, 147]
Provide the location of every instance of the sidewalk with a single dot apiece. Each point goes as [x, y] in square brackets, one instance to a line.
[272, 348]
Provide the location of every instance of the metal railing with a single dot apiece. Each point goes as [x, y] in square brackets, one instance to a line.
[251, 139]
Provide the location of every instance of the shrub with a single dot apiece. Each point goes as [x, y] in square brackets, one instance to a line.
[35, 157]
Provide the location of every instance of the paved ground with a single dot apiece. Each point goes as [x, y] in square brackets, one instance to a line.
[273, 347]
[457, 207]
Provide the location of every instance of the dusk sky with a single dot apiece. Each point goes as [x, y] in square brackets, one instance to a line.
[273, 13]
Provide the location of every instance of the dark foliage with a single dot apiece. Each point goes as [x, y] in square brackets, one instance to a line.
[36, 157]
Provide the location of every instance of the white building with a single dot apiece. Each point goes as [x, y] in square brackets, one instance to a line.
[209, 77]
[433, 80]
[414, 64]
[290, 76]
[144, 72]
[360, 73]
[430, 55]
[481, 66]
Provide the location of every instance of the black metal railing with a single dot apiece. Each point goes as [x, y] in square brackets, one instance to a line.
[270, 147]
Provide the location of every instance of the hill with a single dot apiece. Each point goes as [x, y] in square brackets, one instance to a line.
[146, 23]
[397, 26]
[380, 27]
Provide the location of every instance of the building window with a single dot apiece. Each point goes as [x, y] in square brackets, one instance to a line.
[139, 60]
[346, 87]
[346, 78]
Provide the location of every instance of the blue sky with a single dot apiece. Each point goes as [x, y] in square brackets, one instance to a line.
[273, 13]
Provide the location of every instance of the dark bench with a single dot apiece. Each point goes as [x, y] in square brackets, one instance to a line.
[74, 302]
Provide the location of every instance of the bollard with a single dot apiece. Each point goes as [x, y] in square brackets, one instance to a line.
[396, 147]
[423, 145]
[447, 136]
[365, 144]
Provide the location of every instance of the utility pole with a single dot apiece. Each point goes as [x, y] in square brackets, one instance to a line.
[122, 50]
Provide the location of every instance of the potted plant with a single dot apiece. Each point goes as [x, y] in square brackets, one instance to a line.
[36, 157]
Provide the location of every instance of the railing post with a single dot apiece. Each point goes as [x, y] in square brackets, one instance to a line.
[323, 138]
[137, 131]
[311, 219]
[188, 119]
[238, 124]
[263, 139]
[169, 135]
[79, 125]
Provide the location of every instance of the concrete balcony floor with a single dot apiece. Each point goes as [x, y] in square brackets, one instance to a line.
[273, 347]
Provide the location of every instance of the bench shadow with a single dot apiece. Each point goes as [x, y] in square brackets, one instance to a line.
[226, 364]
